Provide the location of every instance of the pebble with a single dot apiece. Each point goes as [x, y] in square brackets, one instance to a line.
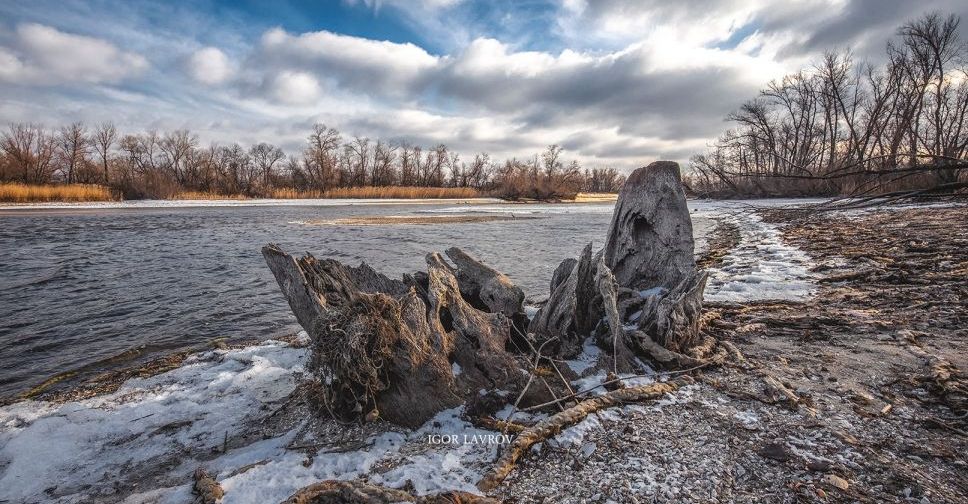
[836, 481]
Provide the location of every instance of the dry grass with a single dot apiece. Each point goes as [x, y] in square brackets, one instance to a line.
[23, 193]
[595, 197]
[202, 195]
[391, 192]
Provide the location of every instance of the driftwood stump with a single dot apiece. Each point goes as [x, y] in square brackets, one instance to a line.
[644, 285]
[571, 312]
[650, 251]
[650, 243]
[381, 347]
[405, 349]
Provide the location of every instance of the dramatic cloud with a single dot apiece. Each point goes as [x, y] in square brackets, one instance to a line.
[616, 82]
[43, 55]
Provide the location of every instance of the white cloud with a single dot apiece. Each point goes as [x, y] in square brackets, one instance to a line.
[383, 67]
[210, 66]
[44, 55]
[295, 88]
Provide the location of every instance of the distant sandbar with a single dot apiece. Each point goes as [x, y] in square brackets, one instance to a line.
[379, 220]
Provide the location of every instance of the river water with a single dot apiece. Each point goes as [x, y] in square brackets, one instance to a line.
[85, 289]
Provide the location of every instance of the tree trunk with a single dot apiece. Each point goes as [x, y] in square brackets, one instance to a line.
[650, 243]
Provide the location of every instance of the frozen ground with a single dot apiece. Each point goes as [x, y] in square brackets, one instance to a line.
[761, 267]
[143, 441]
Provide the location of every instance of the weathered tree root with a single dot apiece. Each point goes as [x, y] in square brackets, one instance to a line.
[491, 423]
[571, 416]
[360, 492]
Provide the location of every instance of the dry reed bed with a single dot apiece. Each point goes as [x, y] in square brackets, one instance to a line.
[24, 193]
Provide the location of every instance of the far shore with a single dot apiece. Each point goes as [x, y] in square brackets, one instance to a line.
[94, 205]
[17, 195]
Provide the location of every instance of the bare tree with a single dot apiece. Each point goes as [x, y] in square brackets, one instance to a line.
[266, 156]
[384, 155]
[321, 156]
[31, 151]
[103, 140]
[176, 148]
[358, 157]
[848, 128]
[72, 149]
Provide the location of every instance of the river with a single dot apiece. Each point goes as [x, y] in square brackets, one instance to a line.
[88, 288]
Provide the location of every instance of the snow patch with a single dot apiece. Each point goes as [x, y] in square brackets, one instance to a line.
[159, 429]
[761, 266]
[156, 424]
[586, 359]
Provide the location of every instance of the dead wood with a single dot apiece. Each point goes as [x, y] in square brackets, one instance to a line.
[650, 253]
[614, 340]
[484, 286]
[360, 492]
[380, 348]
[553, 425]
[650, 242]
[205, 488]
[571, 311]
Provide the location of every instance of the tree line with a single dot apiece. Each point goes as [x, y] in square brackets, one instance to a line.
[849, 128]
[164, 164]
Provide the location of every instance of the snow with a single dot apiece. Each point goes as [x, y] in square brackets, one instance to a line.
[761, 266]
[161, 428]
[147, 423]
[586, 359]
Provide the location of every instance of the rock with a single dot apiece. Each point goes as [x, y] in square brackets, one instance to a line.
[775, 451]
[835, 481]
[206, 489]
[818, 465]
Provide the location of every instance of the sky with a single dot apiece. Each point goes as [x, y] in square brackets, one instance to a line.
[615, 83]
